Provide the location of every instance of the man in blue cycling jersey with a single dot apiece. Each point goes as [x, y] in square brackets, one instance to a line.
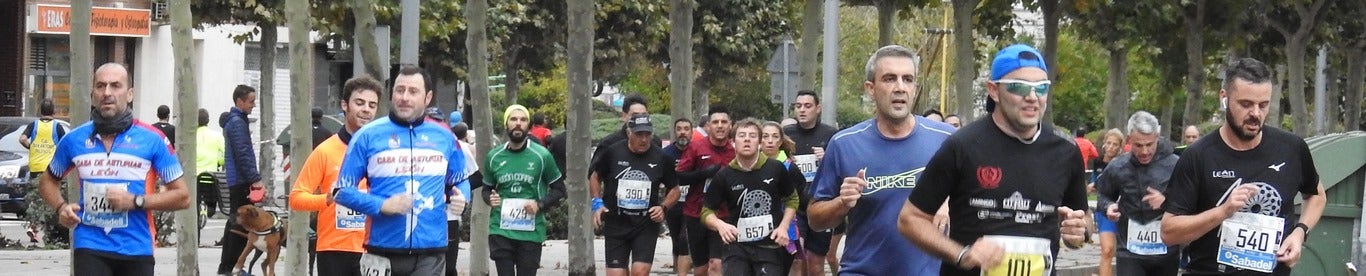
[411, 166]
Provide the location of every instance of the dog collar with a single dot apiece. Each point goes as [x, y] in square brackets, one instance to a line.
[273, 227]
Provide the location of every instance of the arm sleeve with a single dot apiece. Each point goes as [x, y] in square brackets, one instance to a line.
[826, 184]
[1310, 186]
[1075, 194]
[28, 131]
[1107, 191]
[307, 194]
[239, 139]
[166, 163]
[353, 169]
[457, 173]
[1181, 193]
[713, 198]
[61, 159]
[936, 183]
[556, 183]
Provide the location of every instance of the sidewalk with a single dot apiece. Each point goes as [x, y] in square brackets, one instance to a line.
[554, 260]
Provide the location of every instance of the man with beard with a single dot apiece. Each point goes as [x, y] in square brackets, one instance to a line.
[673, 216]
[521, 180]
[696, 167]
[410, 165]
[1239, 180]
[110, 223]
[870, 168]
[1130, 194]
[755, 188]
[810, 136]
[629, 177]
[341, 231]
[1014, 188]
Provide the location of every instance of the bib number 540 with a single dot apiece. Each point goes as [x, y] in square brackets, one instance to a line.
[1253, 239]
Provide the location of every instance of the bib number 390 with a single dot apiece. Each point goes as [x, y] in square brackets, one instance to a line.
[374, 265]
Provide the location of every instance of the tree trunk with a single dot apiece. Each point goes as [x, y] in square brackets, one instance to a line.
[1168, 100]
[810, 45]
[886, 10]
[1273, 115]
[1356, 72]
[701, 100]
[580, 73]
[265, 98]
[364, 11]
[187, 101]
[476, 45]
[1195, 64]
[82, 79]
[965, 61]
[512, 82]
[1117, 88]
[680, 57]
[300, 126]
[1332, 96]
[1294, 60]
[1050, 45]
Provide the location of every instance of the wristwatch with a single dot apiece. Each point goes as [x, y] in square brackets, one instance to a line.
[138, 201]
[1301, 225]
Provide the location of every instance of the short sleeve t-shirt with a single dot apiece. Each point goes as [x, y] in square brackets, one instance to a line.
[1280, 166]
[630, 186]
[138, 155]
[699, 155]
[804, 155]
[894, 169]
[999, 185]
[522, 174]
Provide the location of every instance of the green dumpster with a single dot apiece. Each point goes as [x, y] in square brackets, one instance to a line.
[1335, 243]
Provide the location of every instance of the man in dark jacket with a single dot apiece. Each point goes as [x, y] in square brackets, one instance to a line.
[1130, 191]
[239, 163]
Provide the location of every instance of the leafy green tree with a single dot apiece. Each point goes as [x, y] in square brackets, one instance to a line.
[1295, 21]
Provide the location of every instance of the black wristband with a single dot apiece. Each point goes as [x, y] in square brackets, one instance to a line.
[1301, 225]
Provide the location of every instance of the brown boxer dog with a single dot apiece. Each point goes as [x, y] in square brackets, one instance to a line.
[265, 232]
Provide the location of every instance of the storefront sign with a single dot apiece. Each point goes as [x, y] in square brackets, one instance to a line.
[103, 21]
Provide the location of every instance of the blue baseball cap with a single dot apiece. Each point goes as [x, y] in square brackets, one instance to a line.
[455, 117]
[1013, 58]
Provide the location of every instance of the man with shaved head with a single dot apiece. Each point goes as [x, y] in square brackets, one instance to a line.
[113, 155]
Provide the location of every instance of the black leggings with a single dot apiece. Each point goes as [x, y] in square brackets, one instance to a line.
[1166, 265]
[89, 262]
[233, 243]
[339, 263]
[452, 246]
[514, 257]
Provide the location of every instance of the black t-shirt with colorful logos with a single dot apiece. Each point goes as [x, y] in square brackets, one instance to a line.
[1280, 166]
[630, 186]
[1000, 186]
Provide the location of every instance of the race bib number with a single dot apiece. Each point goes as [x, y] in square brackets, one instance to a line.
[97, 211]
[7, 172]
[374, 265]
[754, 228]
[349, 220]
[1023, 257]
[683, 193]
[1146, 238]
[807, 164]
[515, 217]
[1250, 241]
[633, 194]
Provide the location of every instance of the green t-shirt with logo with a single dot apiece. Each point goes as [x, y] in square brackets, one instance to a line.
[520, 177]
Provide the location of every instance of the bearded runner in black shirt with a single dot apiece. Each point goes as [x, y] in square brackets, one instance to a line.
[1130, 195]
[1230, 196]
[1011, 184]
[629, 173]
[757, 190]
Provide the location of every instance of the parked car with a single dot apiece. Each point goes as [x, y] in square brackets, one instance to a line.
[14, 182]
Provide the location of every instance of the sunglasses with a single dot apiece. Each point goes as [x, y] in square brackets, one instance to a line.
[1022, 88]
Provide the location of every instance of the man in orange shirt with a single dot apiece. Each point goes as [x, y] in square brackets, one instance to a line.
[341, 231]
